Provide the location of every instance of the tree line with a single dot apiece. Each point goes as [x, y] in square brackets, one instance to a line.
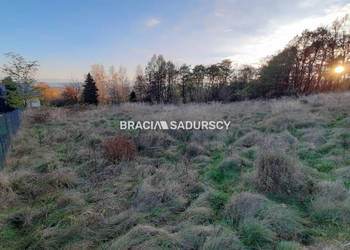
[305, 66]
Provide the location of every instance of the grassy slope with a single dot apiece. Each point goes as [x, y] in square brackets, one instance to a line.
[58, 190]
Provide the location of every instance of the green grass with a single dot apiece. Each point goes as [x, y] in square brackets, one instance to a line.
[256, 236]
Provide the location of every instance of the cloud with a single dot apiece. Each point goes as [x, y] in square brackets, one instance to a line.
[276, 36]
[152, 22]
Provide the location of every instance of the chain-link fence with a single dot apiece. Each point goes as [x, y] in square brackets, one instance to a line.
[9, 124]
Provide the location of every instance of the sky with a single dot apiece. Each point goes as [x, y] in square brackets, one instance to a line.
[67, 36]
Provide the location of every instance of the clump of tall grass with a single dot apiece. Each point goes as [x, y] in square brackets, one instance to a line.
[278, 174]
[255, 235]
[244, 205]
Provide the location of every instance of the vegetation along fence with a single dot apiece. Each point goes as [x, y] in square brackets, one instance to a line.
[9, 124]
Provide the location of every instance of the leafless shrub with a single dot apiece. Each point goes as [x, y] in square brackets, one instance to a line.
[119, 148]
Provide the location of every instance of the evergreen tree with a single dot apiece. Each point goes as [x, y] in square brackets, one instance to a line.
[90, 91]
[13, 97]
[132, 97]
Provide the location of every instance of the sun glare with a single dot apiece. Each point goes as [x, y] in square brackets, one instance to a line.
[339, 69]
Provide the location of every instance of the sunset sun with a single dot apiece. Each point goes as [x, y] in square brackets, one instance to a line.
[339, 69]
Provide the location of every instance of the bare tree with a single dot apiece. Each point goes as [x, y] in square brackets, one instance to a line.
[124, 81]
[20, 69]
[141, 85]
[99, 75]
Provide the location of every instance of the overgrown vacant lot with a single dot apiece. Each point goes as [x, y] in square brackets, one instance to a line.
[277, 179]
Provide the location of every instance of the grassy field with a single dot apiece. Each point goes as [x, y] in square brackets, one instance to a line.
[277, 179]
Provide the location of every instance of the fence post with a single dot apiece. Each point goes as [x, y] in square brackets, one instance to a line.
[9, 125]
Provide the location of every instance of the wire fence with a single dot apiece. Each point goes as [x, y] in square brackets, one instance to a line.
[9, 124]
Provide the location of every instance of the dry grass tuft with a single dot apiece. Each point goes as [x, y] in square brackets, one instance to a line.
[223, 239]
[145, 237]
[7, 196]
[72, 198]
[253, 138]
[244, 205]
[199, 215]
[194, 236]
[150, 139]
[286, 223]
[62, 178]
[279, 174]
[119, 148]
[39, 117]
[24, 184]
[194, 149]
[169, 188]
[331, 190]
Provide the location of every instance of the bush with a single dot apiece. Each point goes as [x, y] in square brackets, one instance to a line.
[244, 205]
[278, 174]
[119, 148]
[255, 235]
